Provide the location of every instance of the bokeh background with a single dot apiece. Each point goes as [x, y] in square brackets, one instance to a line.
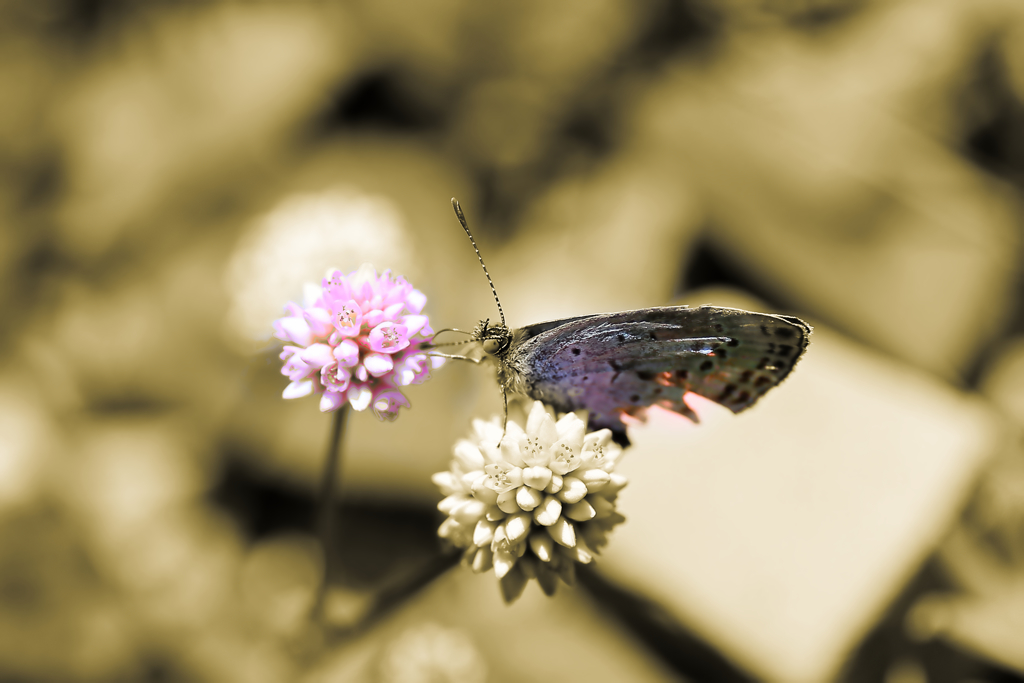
[174, 172]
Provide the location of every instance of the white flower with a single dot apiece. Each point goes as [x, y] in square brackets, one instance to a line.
[534, 504]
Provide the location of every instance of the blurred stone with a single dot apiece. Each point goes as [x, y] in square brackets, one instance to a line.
[1003, 381]
[987, 616]
[124, 472]
[611, 240]
[795, 524]
[279, 578]
[233, 657]
[188, 98]
[344, 607]
[828, 175]
[429, 652]
[58, 619]
[464, 613]
[27, 445]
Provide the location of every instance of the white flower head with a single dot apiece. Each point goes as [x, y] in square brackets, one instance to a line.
[536, 503]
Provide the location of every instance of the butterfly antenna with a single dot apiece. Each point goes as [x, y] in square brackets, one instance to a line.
[462, 219]
[452, 329]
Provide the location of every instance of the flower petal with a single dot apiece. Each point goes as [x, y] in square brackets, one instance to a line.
[317, 355]
[415, 301]
[330, 401]
[414, 323]
[293, 329]
[347, 353]
[378, 364]
[298, 389]
[319, 321]
[359, 397]
[387, 403]
[468, 455]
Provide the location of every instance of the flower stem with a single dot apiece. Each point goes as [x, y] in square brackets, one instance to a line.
[325, 520]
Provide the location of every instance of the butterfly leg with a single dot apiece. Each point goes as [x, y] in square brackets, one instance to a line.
[452, 356]
[504, 424]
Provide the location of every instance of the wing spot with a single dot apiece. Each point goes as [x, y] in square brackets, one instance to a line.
[720, 353]
[762, 382]
[718, 327]
[741, 397]
[645, 375]
[635, 398]
[683, 374]
[733, 342]
[785, 349]
[615, 365]
[654, 337]
[764, 363]
[746, 376]
[622, 338]
[586, 378]
[575, 351]
[706, 365]
[784, 332]
[764, 330]
[729, 389]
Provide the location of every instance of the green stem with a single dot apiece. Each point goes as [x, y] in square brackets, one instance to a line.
[325, 521]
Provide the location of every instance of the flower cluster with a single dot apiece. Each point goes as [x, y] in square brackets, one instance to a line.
[358, 338]
[535, 504]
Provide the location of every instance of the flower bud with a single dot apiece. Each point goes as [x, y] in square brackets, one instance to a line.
[563, 532]
[543, 546]
[483, 534]
[528, 498]
[507, 502]
[469, 512]
[573, 490]
[548, 512]
[580, 512]
[517, 527]
[537, 477]
[484, 493]
[595, 479]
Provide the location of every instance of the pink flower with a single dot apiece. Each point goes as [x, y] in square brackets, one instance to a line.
[358, 339]
[387, 403]
[388, 337]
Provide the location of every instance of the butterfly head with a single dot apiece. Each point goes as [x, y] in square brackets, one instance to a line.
[495, 339]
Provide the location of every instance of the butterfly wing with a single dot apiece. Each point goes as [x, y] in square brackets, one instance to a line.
[619, 363]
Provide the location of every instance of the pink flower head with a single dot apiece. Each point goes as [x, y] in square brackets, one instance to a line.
[359, 338]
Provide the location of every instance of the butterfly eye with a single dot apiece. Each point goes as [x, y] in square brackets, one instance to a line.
[491, 345]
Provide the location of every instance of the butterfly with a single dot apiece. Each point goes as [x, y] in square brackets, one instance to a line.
[616, 365]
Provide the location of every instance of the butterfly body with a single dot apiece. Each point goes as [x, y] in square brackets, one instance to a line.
[617, 364]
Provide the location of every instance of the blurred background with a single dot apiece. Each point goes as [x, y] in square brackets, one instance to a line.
[174, 172]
